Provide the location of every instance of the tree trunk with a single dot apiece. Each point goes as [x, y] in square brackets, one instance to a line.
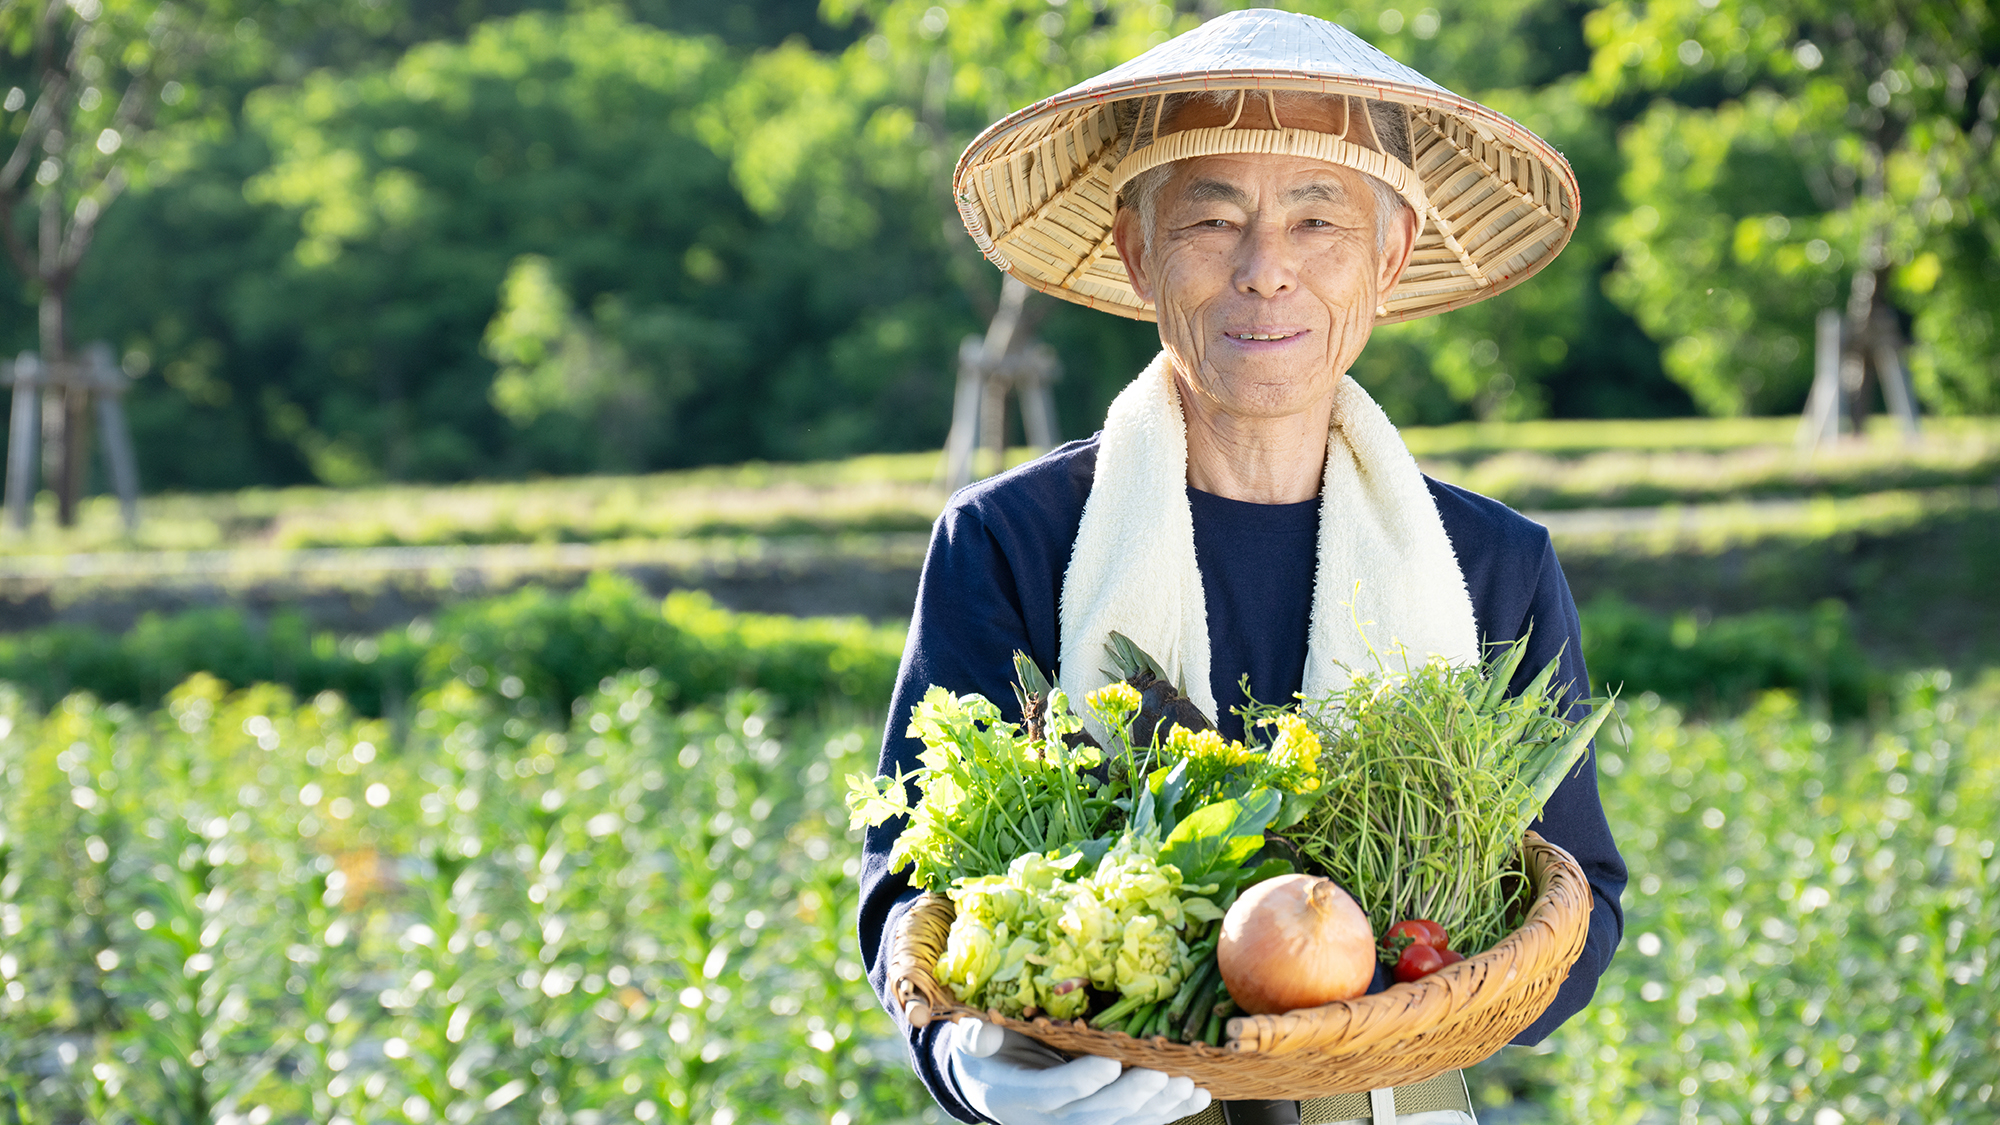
[1864, 309]
[1865, 297]
[67, 428]
[71, 436]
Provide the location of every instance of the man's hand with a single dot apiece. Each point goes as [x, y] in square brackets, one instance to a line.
[1014, 1080]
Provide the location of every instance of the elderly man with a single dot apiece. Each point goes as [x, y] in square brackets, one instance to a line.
[1247, 511]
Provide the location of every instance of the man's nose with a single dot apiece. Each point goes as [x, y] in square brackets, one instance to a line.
[1266, 265]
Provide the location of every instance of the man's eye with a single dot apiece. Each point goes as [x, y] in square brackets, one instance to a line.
[1316, 223]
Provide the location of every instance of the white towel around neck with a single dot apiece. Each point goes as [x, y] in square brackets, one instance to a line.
[1384, 559]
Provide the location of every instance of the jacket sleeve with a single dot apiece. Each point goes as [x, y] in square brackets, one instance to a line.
[967, 623]
[1574, 816]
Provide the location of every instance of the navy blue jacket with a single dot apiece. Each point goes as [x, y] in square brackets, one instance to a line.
[992, 583]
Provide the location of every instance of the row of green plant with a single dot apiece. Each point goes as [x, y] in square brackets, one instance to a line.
[537, 646]
[543, 648]
[1817, 523]
[249, 908]
[1532, 481]
[1719, 664]
[1915, 570]
[1811, 927]
[1546, 465]
[1577, 437]
[242, 907]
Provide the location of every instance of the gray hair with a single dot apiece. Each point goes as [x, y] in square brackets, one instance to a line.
[1142, 194]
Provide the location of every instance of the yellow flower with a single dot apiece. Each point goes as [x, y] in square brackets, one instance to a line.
[1293, 758]
[1114, 703]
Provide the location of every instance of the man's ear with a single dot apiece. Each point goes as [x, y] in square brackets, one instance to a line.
[1131, 244]
[1396, 251]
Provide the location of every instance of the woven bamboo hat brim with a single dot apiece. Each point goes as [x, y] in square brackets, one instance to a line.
[1038, 190]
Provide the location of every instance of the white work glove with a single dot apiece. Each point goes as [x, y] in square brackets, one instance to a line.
[1014, 1080]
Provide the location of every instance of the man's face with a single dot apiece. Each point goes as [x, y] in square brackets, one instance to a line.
[1265, 274]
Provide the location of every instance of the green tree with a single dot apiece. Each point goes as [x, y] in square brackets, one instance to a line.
[407, 193]
[415, 188]
[1554, 346]
[105, 96]
[85, 81]
[1800, 156]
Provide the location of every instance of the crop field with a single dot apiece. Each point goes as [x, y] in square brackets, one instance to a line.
[578, 855]
[249, 907]
[1812, 929]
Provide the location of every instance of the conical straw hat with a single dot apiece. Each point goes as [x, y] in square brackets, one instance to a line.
[1038, 189]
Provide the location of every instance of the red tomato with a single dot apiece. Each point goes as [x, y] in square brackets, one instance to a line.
[1418, 961]
[1420, 931]
[1451, 958]
[1413, 932]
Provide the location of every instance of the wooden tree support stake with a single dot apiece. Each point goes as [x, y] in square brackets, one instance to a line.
[98, 376]
[988, 368]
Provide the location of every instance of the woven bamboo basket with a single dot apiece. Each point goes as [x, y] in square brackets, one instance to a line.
[1410, 1032]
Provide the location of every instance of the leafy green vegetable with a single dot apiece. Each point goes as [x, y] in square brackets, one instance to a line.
[1070, 883]
[988, 791]
[1431, 775]
[1036, 940]
[1220, 836]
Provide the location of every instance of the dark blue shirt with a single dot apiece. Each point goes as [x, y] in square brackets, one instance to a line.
[992, 583]
[1257, 571]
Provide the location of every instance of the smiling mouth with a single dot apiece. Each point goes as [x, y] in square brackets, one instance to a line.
[1262, 335]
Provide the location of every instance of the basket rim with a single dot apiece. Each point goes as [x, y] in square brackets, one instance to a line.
[1401, 1011]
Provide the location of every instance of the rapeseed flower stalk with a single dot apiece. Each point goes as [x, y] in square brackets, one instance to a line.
[988, 791]
[1218, 767]
[1114, 704]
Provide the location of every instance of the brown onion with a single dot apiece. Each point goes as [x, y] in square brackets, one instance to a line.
[1296, 941]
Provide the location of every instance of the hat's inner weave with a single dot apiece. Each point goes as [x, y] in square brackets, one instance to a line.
[1343, 131]
[1041, 201]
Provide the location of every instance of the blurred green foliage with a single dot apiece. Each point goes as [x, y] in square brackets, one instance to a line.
[1719, 664]
[250, 907]
[261, 907]
[1810, 924]
[414, 240]
[1782, 150]
[535, 648]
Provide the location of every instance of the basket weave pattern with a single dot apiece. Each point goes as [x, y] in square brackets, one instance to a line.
[1410, 1032]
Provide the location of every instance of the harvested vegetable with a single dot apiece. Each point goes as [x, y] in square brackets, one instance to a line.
[989, 791]
[1296, 941]
[1417, 931]
[1033, 941]
[1418, 961]
[1430, 776]
[1162, 708]
[1088, 881]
